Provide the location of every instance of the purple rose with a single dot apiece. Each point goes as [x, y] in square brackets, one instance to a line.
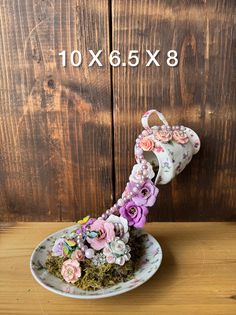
[58, 247]
[135, 215]
[146, 195]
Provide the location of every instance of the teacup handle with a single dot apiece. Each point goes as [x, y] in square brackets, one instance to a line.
[146, 116]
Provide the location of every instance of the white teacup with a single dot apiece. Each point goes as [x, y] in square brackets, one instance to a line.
[171, 149]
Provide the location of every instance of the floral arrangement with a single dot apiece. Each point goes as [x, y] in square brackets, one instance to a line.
[106, 250]
[105, 243]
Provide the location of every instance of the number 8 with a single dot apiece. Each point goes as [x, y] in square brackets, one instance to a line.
[172, 55]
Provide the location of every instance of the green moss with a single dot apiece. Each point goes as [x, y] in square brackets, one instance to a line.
[96, 277]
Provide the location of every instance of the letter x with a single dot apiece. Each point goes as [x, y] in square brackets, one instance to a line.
[152, 58]
[95, 58]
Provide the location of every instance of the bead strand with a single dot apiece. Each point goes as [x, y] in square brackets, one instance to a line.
[143, 175]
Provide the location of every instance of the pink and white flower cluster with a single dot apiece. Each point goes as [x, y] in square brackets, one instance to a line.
[106, 239]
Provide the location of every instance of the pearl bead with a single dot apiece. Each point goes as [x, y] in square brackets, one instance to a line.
[140, 136]
[138, 185]
[145, 172]
[124, 198]
[144, 132]
[144, 167]
[131, 194]
[89, 253]
[108, 212]
[135, 189]
[82, 248]
[139, 151]
[144, 162]
[120, 202]
[104, 216]
[137, 140]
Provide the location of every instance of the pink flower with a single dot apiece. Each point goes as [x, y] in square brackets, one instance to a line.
[163, 135]
[136, 215]
[78, 255]
[146, 144]
[106, 234]
[71, 270]
[180, 136]
[159, 149]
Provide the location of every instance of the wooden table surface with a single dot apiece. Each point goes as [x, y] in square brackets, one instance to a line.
[197, 276]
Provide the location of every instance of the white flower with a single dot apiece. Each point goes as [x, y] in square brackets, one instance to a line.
[121, 224]
[136, 172]
[117, 252]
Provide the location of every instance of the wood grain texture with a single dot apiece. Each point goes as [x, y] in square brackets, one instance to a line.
[197, 275]
[55, 136]
[67, 134]
[199, 93]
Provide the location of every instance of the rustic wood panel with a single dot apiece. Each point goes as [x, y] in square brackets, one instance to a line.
[56, 136]
[199, 93]
[55, 122]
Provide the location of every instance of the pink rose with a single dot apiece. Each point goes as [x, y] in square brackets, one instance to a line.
[146, 144]
[106, 234]
[78, 255]
[180, 136]
[71, 270]
[163, 135]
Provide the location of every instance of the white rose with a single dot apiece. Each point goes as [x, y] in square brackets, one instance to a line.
[124, 224]
[117, 252]
[118, 247]
[136, 172]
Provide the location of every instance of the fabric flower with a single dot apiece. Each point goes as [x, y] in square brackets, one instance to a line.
[163, 135]
[146, 144]
[78, 255]
[136, 174]
[57, 249]
[122, 227]
[106, 234]
[180, 136]
[117, 252]
[136, 215]
[146, 195]
[71, 270]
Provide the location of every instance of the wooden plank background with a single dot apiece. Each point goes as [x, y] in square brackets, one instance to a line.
[67, 134]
